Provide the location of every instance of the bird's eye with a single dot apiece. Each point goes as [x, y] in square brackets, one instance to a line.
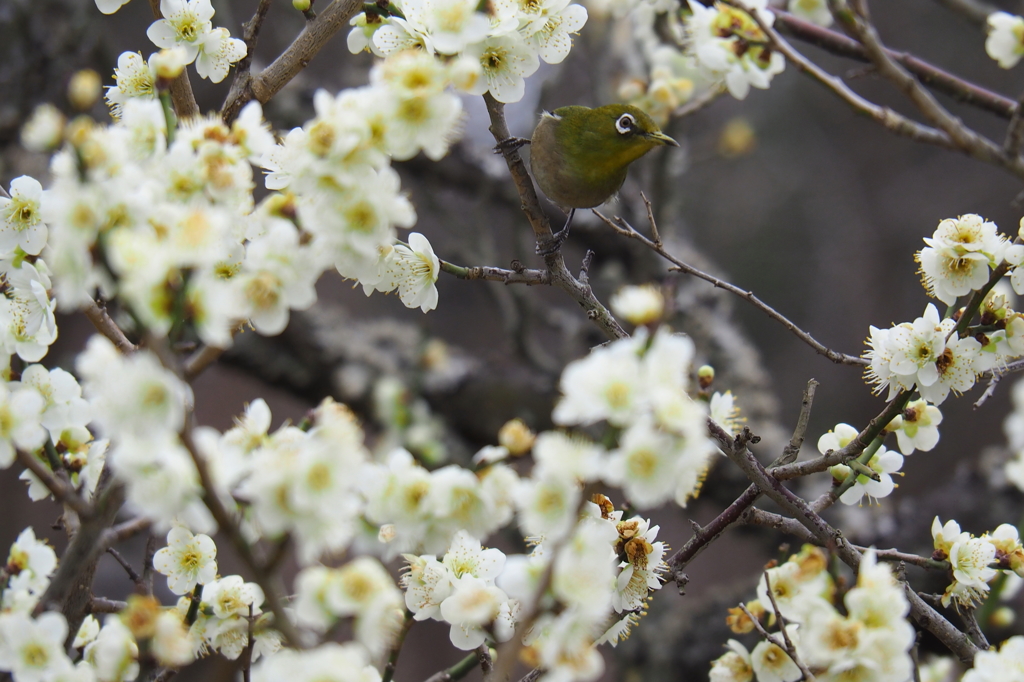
[625, 124]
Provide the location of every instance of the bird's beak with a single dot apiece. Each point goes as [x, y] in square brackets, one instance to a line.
[661, 138]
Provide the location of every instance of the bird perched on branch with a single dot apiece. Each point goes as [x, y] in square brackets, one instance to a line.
[579, 156]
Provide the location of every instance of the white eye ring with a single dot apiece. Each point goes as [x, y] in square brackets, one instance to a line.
[625, 124]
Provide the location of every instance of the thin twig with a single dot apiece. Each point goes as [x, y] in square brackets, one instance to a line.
[939, 79]
[396, 648]
[126, 530]
[106, 326]
[133, 575]
[700, 102]
[627, 230]
[964, 139]
[517, 275]
[792, 451]
[971, 627]
[790, 649]
[228, 525]
[974, 10]
[1015, 131]
[772, 639]
[457, 671]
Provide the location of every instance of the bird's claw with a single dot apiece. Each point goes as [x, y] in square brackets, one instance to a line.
[546, 248]
[510, 144]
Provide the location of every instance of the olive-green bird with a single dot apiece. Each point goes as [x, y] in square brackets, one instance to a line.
[579, 156]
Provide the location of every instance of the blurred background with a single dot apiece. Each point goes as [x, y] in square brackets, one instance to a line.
[788, 193]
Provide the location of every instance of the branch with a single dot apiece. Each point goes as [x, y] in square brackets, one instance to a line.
[70, 589]
[101, 605]
[560, 275]
[929, 74]
[974, 10]
[396, 648]
[790, 649]
[932, 621]
[298, 55]
[200, 360]
[457, 671]
[517, 275]
[126, 530]
[963, 138]
[627, 230]
[61, 490]
[704, 536]
[106, 326]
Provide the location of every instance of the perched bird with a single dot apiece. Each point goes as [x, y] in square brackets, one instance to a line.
[579, 156]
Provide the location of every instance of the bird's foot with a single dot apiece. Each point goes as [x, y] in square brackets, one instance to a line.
[547, 248]
[510, 144]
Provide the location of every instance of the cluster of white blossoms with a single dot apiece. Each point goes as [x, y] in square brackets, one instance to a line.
[186, 24]
[639, 385]
[925, 355]
[731, 48]
[975, 561]
[362, 590]
[871, 641]
[493, 51]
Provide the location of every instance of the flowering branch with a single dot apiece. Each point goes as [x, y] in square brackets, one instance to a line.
[790, 649]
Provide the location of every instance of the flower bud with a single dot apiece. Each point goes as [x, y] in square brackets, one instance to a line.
[84, 89]
[517, 437]
[301, 5]
[705, 377]
[168, 64]
[44, 129]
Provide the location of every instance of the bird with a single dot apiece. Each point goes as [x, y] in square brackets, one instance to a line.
[579, 156]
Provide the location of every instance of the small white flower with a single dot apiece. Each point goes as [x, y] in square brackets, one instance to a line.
[186, 560]
[23, 226]
[44, 130]
[1005, 42]
[185, 24]
[87, 632]
[21, 413]
[919, 427]
[413, 270]
[883, 462]
[506, 61]
[217, 52]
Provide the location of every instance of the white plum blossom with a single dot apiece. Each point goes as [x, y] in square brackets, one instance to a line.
[21, 414]
[110, 6]
[185, 23]
[507, 61]
[22, 225]
[918, 427]
[32, 649]
[731, 48]
[135, 78]
[413, 270]
[1005, 42]
[187, 560]
[217, 52]
[884, 463]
